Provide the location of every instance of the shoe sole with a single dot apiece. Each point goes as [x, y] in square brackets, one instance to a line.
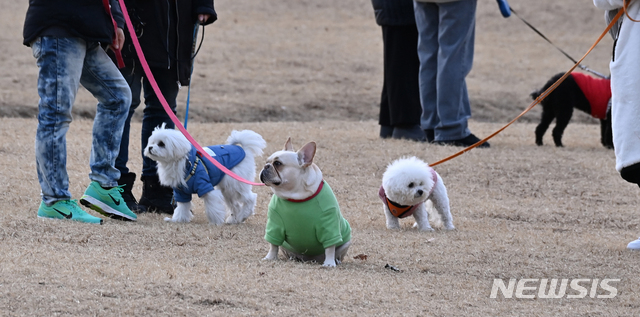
[51, 218]
[104, 209]
[483, 145]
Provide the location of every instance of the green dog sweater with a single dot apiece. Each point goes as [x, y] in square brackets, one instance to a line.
[307, 227]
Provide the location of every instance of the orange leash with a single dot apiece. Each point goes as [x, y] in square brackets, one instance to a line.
[625, 6]
[542, 96]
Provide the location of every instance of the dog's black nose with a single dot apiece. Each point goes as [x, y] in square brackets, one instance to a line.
[262, 177]
[420, 192]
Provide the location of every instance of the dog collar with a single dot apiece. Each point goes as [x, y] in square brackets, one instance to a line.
[403, 211]
[310, 197]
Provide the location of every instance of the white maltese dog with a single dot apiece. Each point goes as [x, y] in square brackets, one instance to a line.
[408, 185]
[181, 167]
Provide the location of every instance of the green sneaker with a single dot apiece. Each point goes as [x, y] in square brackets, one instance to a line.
[107, 202]
[66, 209]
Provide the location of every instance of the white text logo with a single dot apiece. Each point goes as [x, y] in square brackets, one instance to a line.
[530, 288]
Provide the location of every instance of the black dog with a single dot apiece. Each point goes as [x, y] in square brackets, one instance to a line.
[579, 91]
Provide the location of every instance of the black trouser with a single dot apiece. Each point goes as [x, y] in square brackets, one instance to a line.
[400, 100]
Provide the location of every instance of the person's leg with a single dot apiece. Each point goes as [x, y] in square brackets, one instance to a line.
[60, 62]
[133, 76]
[386, 129]
[154, 114]
[401, 79]
[401, 68]
[155, 197]
[456, 34]
[103, 79]
[427, 21]
[625, 111]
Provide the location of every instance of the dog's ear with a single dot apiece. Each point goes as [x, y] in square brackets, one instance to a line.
[288, 146]
[306, 154]
[160, 127]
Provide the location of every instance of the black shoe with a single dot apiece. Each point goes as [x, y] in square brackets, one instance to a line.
[431, 135]
[465, 142]
[386, 131]
[155, 197]
[127, 180]
[413, 133]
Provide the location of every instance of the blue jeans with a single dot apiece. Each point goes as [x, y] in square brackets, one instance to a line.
[153, 115]
[446, 34]
[66, 63]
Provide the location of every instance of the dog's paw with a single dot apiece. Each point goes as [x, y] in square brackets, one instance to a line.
[270, 258]
[170, 219]
[449, 227]
[423, 227]
[233, 220]
[329, 264]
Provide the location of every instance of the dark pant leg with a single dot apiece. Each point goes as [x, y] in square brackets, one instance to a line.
[401, 68]
[133, 76]
[154, 113]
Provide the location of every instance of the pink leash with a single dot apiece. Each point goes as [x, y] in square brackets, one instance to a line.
[165, 105]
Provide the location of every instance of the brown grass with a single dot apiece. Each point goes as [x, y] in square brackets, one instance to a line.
[521, 211]
[301, 60]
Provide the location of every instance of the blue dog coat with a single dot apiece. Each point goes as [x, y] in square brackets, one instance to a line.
[201, 175]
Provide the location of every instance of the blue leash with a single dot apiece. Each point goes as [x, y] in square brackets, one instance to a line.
[193, 57]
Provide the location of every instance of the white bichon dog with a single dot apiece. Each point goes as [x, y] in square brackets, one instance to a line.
[181, 167]
[408, 186]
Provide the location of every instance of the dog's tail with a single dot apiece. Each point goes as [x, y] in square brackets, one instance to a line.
[250, 141]
[535, 94]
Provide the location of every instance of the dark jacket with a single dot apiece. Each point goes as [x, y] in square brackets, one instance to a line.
[394, 12]
[165, 31]
[86, 19]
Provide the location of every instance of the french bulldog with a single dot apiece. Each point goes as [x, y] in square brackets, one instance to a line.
[304, 217]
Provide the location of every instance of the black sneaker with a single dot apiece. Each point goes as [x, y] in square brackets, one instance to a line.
[465, 142]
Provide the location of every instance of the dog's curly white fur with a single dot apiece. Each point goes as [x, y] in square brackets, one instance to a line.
[410, 182]
[231, 201]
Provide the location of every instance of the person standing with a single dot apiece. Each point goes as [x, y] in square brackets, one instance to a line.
[625, 96]
[446, 35]
[65, 37]
[165, 32]
[400, 108]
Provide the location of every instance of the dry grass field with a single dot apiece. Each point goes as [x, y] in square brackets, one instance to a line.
[312, 71]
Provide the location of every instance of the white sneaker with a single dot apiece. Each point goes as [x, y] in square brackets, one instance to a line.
[634, 245]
